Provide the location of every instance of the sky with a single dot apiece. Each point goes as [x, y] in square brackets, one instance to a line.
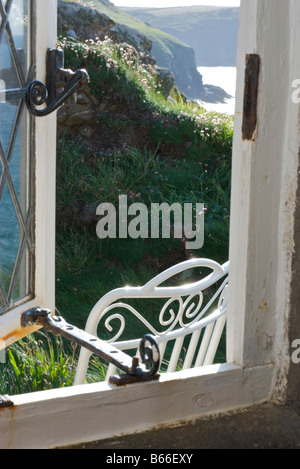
[174, 3]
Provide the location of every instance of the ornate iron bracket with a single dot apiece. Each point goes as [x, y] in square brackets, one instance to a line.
[134, 371]
[37, 95]
[60, 85]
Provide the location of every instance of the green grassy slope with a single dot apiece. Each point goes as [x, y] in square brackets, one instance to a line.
[150, 149]
[168, 51]
[181, 154]
[163, 43]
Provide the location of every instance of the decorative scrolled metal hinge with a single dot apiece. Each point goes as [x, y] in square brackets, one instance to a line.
[60, 84]
[37, 94]
[131, 366]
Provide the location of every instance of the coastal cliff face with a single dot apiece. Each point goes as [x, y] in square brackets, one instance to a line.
[211, 31]
[181, 60]
[84, 23]
[100, 20]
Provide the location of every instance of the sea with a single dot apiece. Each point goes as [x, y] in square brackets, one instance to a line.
[9, 226]
[9, 231]
[224, 77]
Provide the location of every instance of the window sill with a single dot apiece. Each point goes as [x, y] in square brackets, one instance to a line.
[75, 415]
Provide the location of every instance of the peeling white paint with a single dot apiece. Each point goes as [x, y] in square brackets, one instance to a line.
[264, 193]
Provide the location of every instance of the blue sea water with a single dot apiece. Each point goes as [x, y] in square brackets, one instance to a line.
[224, 77]
[9, 227]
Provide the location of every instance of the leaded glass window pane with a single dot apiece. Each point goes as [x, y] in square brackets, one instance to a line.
[16, 168]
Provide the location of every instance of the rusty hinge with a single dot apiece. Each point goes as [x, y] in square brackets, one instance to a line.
[250, 96]
[131, 366]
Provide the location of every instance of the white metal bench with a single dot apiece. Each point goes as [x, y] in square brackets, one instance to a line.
[191, 318]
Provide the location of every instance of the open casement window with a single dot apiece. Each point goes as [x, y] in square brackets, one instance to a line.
[264, 186]
[27, 167]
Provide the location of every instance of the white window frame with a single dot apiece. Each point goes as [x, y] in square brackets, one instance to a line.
[45, 168]
[261, 245]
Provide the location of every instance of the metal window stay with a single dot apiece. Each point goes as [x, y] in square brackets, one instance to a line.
[134, 371]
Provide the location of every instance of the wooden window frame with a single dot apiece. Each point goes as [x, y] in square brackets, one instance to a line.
[45, 179]
[264, 189]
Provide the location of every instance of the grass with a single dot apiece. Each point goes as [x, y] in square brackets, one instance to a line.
[183, 155]
[40, 362]
[163, 43]
[34, 364]
[144, 178]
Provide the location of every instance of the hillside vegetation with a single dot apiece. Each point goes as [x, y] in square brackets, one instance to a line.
[148, 147]
[167, 50]
[140, 142]
[121, 17]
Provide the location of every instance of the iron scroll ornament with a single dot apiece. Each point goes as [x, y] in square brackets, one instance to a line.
[37, 94]
[134, 370]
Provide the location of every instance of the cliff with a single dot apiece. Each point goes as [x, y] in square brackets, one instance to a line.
[100, 19]
[211, 31]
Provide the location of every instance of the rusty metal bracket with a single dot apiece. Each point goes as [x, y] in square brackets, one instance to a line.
[134, 371]
[5, 402]
[252, 73]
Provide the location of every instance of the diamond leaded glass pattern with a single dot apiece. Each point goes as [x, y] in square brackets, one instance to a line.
[16, 177]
